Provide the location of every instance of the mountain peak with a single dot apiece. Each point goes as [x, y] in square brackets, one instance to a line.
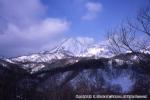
[74, 46]
[71, 47]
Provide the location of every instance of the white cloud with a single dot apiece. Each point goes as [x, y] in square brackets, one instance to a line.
[48, 27]
[22, 12]
[26, 26]
[93, 9]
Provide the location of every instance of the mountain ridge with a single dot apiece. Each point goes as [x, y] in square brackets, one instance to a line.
[71, 47]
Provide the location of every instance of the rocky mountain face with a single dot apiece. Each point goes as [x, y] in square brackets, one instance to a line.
[74, 67]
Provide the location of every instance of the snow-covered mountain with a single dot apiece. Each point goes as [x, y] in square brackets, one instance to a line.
[68, 51]
[97, 51]
[41, 57]
[72, 47]
[146, 50]
[76, 63]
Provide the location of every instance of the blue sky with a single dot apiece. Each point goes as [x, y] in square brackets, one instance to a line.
[34, 25]
[112, 13]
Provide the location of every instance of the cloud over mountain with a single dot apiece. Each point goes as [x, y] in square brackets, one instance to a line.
[24, 24]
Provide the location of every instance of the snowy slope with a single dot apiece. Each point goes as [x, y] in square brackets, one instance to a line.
[40, 57]
[97, 51]
[82, 48]
[146, 50]
[72, 47]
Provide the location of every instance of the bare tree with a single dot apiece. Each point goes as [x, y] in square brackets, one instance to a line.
[143, 19]
[122, 40]
[126, 38]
